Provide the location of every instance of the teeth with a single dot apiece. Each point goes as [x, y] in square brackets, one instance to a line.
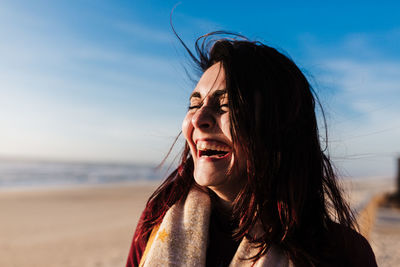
[210, 145]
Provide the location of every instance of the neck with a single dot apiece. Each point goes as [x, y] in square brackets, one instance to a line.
[222, 201]
[226, 194]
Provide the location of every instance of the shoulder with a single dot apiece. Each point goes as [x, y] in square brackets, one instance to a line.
[351, 246]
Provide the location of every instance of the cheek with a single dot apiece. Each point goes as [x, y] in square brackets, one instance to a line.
[226, 126]
[187, 127]
[187, 130]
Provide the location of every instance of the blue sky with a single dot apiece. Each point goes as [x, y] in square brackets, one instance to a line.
[104, 80]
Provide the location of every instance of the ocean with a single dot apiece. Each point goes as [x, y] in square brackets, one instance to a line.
[38, 174]
[30, 174]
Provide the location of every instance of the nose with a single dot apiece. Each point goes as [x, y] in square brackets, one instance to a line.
[203, 118]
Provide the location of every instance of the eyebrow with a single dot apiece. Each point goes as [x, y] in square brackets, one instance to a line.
[216, 94]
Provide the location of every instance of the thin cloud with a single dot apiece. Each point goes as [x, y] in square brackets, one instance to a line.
[69, 97]
[364, 87]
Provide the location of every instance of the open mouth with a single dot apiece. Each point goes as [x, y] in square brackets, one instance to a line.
[212, 149]
[212, 153]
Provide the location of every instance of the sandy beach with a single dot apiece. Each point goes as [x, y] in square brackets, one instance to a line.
[93, 226]
[70, 227]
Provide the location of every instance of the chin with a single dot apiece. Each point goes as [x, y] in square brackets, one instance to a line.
[207, 180]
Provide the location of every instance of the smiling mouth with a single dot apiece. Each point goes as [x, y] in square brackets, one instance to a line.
[212, 149]
[212, 153]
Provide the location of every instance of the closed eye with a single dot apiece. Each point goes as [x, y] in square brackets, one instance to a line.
[224, 108]
[194, 107]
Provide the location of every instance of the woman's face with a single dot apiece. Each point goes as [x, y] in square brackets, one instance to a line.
[206, 128]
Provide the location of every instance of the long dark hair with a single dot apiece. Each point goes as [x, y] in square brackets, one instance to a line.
[291, 186]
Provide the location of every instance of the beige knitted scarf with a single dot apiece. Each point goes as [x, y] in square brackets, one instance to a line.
[181, 239]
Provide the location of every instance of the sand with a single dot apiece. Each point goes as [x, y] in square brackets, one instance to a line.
[385, 237]
[381, 225]
[93, 226]
[69, 227]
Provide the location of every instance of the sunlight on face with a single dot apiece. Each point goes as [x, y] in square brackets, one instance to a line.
[206, 128]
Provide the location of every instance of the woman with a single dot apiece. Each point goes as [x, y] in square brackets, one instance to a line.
[254, 187]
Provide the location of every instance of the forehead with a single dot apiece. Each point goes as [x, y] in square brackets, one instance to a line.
[211, 83]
